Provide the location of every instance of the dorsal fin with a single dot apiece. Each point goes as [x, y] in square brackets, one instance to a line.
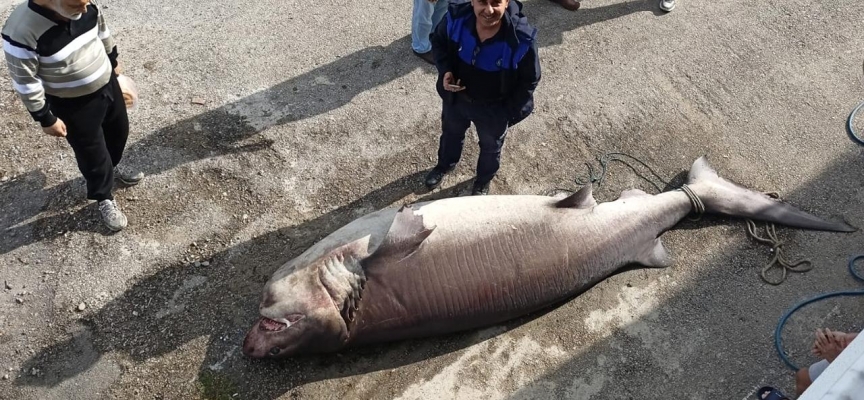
[406, 234]
[584, 198]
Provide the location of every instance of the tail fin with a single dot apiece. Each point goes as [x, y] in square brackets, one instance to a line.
[723, 197]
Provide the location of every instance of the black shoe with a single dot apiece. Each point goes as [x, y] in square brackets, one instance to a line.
[427, 56]
[480, 189]
[434, 177]
[570, 5]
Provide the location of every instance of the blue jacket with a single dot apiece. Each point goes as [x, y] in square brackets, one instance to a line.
[504, 69]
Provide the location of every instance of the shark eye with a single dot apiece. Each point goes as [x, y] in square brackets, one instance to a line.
[294, 318]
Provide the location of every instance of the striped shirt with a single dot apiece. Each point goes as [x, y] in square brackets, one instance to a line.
[48, 55]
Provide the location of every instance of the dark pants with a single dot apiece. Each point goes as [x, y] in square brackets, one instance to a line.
[490, 119]
[96, 128]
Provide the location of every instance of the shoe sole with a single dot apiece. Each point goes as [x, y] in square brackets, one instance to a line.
[130, 183]
[432, 61]
[112, 228]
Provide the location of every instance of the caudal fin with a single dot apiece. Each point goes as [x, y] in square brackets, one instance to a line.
[723, 197]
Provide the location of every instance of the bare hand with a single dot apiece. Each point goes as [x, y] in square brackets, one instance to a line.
[828, 345]
[848, 338]
[450, 85]
[58, 129]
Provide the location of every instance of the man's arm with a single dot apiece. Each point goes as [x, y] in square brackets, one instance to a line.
[107, 39]
[23, 66]
[440, 45]
[528, 77]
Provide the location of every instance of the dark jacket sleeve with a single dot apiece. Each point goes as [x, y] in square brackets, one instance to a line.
[440, 47]
[441, 52]
[521, 102]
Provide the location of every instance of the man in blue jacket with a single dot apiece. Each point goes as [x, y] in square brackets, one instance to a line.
[488, 68]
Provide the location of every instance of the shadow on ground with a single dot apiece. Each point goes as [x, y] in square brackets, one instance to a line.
[228, 130]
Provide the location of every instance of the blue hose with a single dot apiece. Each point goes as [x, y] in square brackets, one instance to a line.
[850, 129]
[778, 340]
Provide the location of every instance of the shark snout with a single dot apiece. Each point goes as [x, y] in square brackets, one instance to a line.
[254, 345]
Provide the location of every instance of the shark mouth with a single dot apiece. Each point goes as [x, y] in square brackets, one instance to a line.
[270, 325]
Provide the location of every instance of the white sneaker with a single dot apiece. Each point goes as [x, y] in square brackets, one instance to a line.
[128, 176]
[111, 215]
[667, 5]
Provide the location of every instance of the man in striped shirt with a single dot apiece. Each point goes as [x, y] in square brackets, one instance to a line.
[62, 58]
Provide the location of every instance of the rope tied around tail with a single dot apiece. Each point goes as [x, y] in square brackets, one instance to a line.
[695, 201]
[778, 261]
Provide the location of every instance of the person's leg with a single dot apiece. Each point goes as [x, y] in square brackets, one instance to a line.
[439, 11]
[805, 376]
[491, 123]
[421, 27]
[802, 381]
[115, 129]
[453, 128]
[84, 134]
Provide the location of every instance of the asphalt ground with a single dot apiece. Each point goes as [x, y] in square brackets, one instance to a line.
[313, 115]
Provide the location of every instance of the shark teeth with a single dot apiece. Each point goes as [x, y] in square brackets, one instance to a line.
[270, 325]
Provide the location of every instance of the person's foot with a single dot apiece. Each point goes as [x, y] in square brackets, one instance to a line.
[434, 177]
[802, 380]
[111, 215]
[128, 176]
[427, 56]
[571, 5]
[667, 5]
[480, 189]
[828, 344]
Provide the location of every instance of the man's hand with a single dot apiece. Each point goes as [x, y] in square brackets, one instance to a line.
[828, 345]
[846, 338]
[450, 85]
[58, 129]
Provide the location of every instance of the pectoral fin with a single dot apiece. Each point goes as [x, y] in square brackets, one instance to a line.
[405, 236]
[654, 254]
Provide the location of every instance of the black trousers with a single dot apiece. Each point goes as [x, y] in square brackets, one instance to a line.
[490, 119]
[97, 128]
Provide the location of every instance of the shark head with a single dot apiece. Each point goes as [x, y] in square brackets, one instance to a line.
[297, 316]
